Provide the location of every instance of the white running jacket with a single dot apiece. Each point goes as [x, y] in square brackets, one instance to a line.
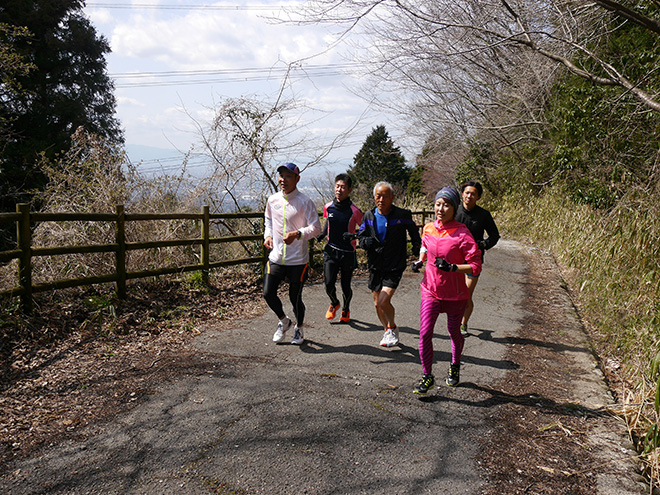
[290, 213]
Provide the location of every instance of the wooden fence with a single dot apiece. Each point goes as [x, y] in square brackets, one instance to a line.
[24, 252]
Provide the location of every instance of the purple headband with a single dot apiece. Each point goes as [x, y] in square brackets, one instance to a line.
[450, 194]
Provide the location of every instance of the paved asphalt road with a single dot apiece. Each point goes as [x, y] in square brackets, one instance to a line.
[333, 416]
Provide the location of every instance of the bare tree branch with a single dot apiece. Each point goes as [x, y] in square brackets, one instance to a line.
[630, 14]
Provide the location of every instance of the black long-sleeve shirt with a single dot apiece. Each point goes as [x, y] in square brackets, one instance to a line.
[478, 221]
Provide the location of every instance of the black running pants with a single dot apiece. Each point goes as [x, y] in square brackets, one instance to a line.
[335, 262]
[275, 275]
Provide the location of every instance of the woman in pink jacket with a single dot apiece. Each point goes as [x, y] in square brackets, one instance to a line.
[452, 252]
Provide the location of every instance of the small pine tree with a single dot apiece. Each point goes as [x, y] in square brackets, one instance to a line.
[416, 180]
[379, 160]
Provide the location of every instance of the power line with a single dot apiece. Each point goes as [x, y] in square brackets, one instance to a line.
[134, 80]
[196, 160]
[154, 167]
[210, 81]
[231, 71]
[148, 6]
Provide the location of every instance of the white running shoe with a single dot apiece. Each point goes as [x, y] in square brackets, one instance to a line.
[395, 336]
[298, 337]
[390, 337]
[387, 339]
[281, 330]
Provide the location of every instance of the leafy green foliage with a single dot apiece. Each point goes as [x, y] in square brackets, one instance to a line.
[12, 66]
[195, 280]
[599, 151]
[597, 142]
[478, 165]
[103, 312]
[655, 375]
[498, 172]
[651, 440]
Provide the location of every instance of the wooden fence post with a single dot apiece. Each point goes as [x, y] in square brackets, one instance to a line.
[264, 251]
[24, 242]
[120, 262]
[206, 235]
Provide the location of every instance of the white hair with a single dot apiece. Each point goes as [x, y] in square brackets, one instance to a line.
[383, 184]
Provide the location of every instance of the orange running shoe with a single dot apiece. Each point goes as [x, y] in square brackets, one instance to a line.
[332, 311]
[345, 316]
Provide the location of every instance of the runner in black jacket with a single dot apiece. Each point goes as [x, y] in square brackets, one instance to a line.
[478, 221]
[339, 253]
[384, 235]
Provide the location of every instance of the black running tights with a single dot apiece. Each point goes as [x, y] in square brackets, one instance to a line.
[275, 275]
[333, 264]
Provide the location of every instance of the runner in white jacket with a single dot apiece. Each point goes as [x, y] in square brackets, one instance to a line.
[291, 220]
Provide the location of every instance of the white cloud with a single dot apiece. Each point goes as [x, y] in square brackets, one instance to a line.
[158, 40]
[124, 101]
[98, 17]
[201, 40]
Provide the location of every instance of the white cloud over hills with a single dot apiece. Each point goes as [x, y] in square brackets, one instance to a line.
[178, 55]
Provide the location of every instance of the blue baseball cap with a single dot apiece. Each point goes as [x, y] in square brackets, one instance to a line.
[291, 167]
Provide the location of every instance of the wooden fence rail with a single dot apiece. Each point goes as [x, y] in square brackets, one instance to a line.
[24, 252]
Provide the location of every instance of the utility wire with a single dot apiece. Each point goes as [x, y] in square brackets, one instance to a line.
[210, 81]
[231, 71]
[146, 6]
[135, 79]
[197, 160]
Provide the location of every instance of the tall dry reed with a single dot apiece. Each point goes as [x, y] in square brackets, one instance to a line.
[611, 263]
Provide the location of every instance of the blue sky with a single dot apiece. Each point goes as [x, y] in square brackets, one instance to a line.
[172, 59]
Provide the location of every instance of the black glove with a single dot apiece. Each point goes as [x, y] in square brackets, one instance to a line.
[445, 266]
[349, 237]
[367, 242]
[482, 245]
[416, 265]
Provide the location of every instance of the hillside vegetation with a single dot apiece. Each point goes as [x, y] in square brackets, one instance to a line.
[553, 106]
[610, 265]
[587, 191]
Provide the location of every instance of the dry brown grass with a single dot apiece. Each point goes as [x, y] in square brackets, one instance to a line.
[610, 264]
[94, 178]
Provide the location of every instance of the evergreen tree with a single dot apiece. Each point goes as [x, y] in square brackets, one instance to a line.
[12, 65]
[379, 160]
[67, 88]
[416, 181]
